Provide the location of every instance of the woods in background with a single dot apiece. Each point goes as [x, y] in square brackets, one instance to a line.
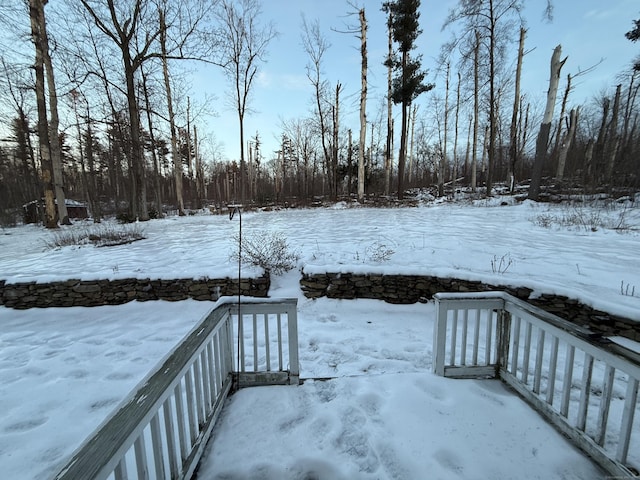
[97, 109]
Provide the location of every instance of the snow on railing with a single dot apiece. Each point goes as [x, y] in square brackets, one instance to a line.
[161, 429]
[584, 384]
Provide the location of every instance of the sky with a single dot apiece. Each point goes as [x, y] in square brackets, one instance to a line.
[591, 33]
[385, 416]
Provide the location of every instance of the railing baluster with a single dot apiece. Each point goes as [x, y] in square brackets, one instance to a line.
[120, 472]
[627, 420]
[199, 400]
[476, 338]
[527, 353]
[280, 361]
[487, 352]
[219, 362]
[206, 378]
[141, 458]
[158, 451]
[241, 367]
[605, 403]
[454, 333]
[537, 374]
[211, 370]
[553, 364]
[567, 380]
[463, 343]
[516, 346]
[587, 371]
[266, 341]
[188, 378]
[170, 436]
[180, 416]
[255, 342]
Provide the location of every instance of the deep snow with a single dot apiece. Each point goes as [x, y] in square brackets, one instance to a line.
[63, 370]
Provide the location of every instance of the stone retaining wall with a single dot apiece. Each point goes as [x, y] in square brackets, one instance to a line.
[414, 288]
[90, 293]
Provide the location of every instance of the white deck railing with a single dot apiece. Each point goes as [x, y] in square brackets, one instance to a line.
[585, 385]
[161, 429]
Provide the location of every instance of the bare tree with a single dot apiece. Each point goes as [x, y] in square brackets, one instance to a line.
[316, 45]
[363, 103]
[243, 45]
[177, 162]
[513, 132]
[545, 127]
[133, 27]
[493, 21]
[36, 14]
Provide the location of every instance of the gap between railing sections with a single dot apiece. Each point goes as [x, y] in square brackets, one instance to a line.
[583, 384]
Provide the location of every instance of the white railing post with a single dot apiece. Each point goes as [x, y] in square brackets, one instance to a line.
[439, 338]
[292, 324]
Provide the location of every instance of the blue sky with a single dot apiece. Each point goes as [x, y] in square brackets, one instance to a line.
[590, 31]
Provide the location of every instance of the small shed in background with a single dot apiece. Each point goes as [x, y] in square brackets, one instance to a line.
[32, 211]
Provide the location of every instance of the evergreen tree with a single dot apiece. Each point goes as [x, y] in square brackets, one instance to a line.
[409, 81]
[634, 35]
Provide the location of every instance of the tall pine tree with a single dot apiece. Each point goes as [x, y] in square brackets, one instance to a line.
[634, 35]
[409, 81]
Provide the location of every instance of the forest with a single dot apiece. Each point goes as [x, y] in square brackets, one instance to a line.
[96, 107]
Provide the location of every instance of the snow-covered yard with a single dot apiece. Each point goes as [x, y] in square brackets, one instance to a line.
[384, 415]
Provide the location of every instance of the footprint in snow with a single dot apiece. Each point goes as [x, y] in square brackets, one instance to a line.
[26, 425]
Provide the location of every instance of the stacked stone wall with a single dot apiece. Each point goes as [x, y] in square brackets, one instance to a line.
[415, 288]
[91, 293]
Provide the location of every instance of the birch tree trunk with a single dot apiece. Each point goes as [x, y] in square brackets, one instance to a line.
[36, 9]
[545, 128]
[363, 104]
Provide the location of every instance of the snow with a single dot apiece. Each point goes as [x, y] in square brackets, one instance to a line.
[382, 414]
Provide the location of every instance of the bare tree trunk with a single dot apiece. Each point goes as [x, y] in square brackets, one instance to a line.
[363, 104]
[492, 99]
[402, 153]
[566, 142]
[36, 10]
[476, 112]
[414, 115]
[336, 139]
[545, 128]
[54, 140]
[613, 137]
[388, 158]
[513, 132]
[455, 137]
[443, 159]
[177, 164]
[467, 152]
[154, 153]
[563, 109]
